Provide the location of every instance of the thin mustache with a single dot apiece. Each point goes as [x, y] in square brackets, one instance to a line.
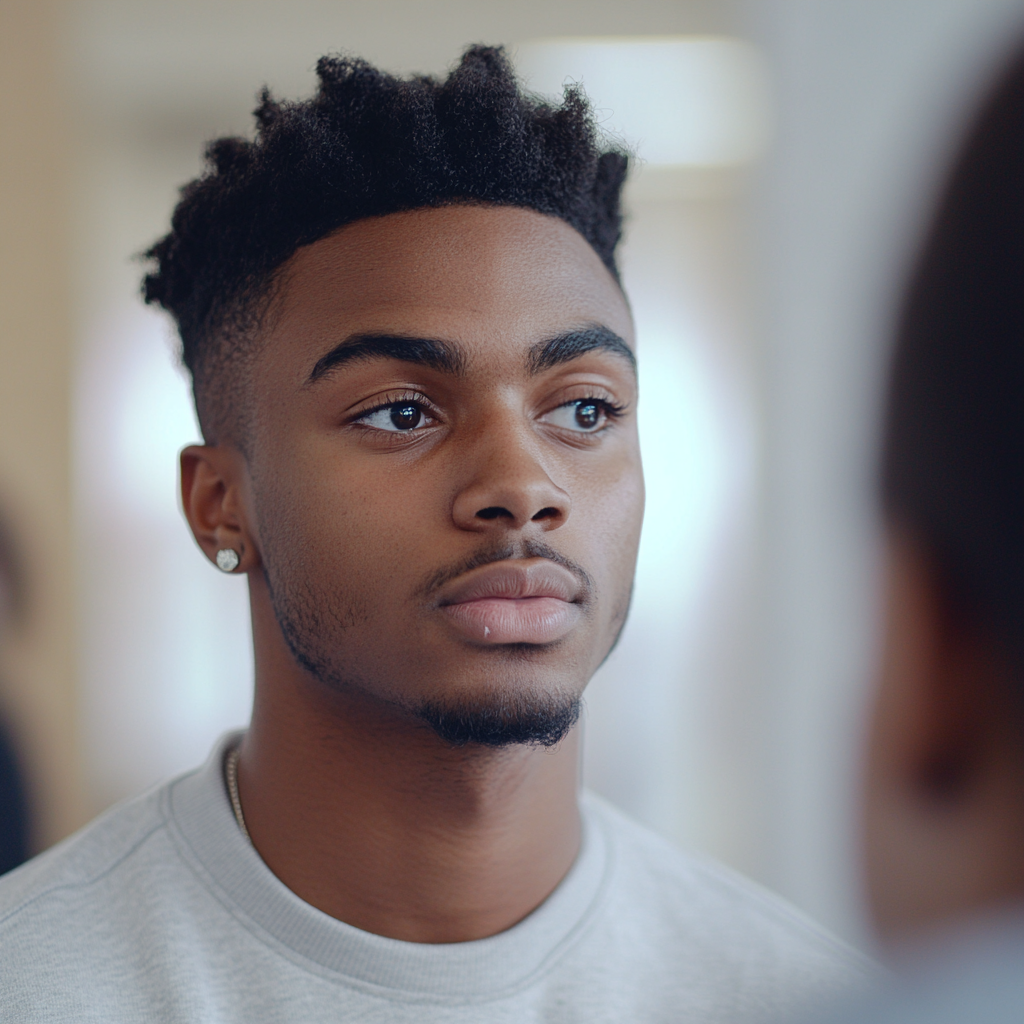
[527, 549]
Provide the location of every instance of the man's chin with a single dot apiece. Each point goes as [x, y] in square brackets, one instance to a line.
[503, 721]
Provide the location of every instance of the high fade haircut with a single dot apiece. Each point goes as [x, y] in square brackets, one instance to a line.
[953, 471]
[365, 145]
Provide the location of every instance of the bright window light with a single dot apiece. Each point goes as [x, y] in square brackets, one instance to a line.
[677, 100]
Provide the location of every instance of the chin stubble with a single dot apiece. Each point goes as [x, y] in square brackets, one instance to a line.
[506, 720]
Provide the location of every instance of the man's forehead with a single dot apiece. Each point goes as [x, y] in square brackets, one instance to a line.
[466, 268]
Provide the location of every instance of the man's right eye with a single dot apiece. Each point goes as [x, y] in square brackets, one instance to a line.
[399, 416]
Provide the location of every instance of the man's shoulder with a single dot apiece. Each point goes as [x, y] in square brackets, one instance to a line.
[66, 873]
[84, 925]
[727, 925]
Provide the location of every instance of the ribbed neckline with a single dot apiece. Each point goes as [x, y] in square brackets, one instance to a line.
[202, 822]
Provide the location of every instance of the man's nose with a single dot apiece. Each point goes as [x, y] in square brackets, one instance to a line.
[510, 488]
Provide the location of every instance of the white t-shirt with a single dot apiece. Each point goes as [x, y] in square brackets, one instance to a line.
[161, 910]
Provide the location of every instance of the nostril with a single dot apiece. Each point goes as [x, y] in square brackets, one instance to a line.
[546, 513]
[494, 512]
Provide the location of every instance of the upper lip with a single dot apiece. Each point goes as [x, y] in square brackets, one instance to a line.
[535, 577]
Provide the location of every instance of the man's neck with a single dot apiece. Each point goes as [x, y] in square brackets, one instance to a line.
[374, 820]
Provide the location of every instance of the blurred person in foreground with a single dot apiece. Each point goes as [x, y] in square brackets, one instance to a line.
[414, 368]
[944, 794]
[14, 806]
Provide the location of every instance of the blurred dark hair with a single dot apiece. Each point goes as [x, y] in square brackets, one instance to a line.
[954, 449]
[15, 819]
[366, 144]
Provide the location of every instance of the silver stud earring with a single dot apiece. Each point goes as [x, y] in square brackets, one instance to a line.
[227, 559]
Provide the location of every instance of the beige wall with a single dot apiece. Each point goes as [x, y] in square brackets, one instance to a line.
[38, 663]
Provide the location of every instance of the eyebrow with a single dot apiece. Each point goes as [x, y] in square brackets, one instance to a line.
[449, 358]
[432, 352]
[572, 344]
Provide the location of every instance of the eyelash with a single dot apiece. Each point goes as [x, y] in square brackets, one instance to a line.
[406, 398]
[611, 409]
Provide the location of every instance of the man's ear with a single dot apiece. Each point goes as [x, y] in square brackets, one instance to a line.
[212, 481]
[944, 794]
[919, 754]
[945, 681]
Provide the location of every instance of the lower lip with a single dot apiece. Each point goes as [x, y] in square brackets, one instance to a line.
[525, 620]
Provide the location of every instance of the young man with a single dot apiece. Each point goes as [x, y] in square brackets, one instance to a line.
[944, 801]
[413, 365]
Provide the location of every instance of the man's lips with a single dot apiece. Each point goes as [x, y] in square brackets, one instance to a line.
[525, 601]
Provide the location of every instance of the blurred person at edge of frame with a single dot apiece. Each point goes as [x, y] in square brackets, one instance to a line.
[943, 805]
[414, 369]
[14, 808]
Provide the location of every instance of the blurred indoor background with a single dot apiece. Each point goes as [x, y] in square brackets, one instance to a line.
[787, 151]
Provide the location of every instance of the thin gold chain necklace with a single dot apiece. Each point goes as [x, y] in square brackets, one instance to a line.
[231, 775]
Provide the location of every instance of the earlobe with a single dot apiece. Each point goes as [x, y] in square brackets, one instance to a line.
[211, 477]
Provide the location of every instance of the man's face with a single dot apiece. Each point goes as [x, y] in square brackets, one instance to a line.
[446, 487]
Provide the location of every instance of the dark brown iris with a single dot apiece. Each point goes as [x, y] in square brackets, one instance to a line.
[588, 415]
[405, 417]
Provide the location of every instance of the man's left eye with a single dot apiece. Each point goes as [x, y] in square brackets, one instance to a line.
[584, 416]
[397, 417]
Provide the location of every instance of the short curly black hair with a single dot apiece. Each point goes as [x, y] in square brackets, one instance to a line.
[365, 145]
